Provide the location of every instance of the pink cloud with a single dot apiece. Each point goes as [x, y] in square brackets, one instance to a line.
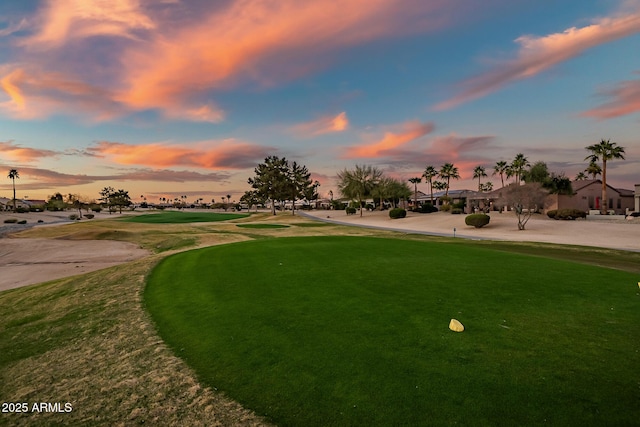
[64, 20]
[323, 125]
[537, 54]
[409, 132]
[24, 154]
[625, 99]
[228, 154]
[37, 94]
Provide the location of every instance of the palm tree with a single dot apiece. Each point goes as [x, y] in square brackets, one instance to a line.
[594, 170]
[383, 190]
[501, 169]
[359, 182]
[581, 176]
[479, 172]
[13, 174]
[429, 173]
[518, 165]
[448, 171]
[604, 150]
[415, 181]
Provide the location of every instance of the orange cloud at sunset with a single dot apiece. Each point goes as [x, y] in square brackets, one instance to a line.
[410, 131]
[323, 125]
[24, 154]
[625, 99]
[62, 20]
[226, 155]
[538, 54]
[263, 41]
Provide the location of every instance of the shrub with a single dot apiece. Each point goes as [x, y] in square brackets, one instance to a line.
[23, 221]
[96, 209]
[552, 213]
[459, 205]
[445, 208]
[22, 210]
[456, 211]
[396, 213]
[73, 217]
[89, 216]
[570, 214]
[11, 220]
[477, 220]
[40, 221]
[350, 210]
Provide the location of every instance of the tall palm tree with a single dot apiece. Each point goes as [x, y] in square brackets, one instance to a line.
[228, 199]
[501, 168]
[594, 170]
[604, 150]
[518, 165]
[415, 181]
[479, 172]
[448, 171]
[359, 182]
[13, 174]
[429, 173]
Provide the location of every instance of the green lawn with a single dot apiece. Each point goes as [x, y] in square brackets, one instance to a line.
[173, 217]
[354, 331]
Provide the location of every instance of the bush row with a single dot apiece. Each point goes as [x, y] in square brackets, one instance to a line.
[396, 213]
[566, 214]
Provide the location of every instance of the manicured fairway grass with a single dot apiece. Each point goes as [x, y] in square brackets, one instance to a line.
[183, 217]
[354, 331]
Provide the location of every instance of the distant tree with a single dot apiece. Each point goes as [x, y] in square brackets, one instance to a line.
[558, 184]
[56, 203]
[383, 190]
[228, 201]
[524, 199]
[501, 169]
[479, 172]
[429, 174]
[415, 181]
[13, 174]
[447, 172]
[75, 201]
[603, 151]
[518, 166]
[398, 190]
[439, 185]
[120, 199]
[310, 193]
[538, 172]
[105, 197]
[594, 170]
[251, 198]
[271, 180]
[580, 176]
[486, 187]
[299, 184]
[358, 183]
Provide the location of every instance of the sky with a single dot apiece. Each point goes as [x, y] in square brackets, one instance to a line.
[165, 98]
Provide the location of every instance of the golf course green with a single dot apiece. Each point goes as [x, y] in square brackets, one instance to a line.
[354, 331]
[173, 217]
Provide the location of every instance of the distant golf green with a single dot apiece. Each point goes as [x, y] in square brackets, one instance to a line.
[173, 217]
[354, 331]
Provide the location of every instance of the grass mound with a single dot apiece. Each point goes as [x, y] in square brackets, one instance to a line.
[183, 217]
[349, 331]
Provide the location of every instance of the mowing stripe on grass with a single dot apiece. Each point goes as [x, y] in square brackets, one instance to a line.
[354, 331]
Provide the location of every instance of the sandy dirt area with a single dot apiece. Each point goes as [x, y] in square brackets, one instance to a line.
[616, 234]
[28, 261]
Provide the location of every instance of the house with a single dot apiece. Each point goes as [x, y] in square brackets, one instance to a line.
[637, 198]
[587, 195]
